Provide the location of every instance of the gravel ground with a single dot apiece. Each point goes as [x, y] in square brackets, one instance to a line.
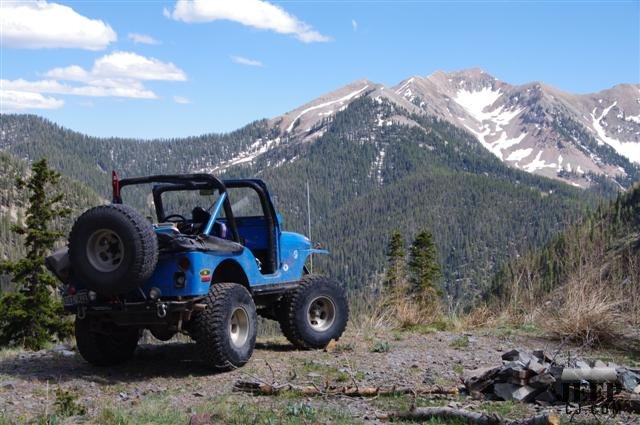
[169, 377]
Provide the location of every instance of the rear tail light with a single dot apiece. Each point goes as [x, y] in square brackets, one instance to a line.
[184, 264]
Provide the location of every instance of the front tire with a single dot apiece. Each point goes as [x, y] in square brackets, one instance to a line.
[225, 331]
[314, 313]
[105, 346]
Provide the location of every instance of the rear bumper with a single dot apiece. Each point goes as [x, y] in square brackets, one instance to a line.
[163, 312]
[144, 313]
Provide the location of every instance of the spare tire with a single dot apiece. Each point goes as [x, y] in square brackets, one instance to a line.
[112, 249]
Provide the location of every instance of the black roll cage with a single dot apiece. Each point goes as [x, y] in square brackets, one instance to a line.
[179, 182]
[188, 181]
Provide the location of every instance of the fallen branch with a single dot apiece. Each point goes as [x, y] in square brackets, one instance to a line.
[261, 388]
[624, 402]
[423, 414]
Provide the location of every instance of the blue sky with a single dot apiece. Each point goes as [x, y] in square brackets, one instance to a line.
[217, 67]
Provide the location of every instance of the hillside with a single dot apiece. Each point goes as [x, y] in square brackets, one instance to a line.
[600, 254]
[13, 203]
[369, 174]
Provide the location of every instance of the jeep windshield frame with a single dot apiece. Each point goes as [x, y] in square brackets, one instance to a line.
[175, 182]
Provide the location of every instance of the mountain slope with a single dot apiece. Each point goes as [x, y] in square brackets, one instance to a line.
[536, 127]
[13, 204]
[30, 137]
[601, 252]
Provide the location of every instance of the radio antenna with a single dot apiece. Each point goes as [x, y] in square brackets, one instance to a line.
[309, 226]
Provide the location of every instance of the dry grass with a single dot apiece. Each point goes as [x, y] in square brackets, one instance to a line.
[596, 301]
[373, 313]
[480, 317]
[586, 313]
[408, 313]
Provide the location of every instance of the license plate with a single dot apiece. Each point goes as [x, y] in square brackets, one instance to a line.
[81, 297]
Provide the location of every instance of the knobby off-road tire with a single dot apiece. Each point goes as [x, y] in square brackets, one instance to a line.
[225, 331]
[113, 249]
[314, 313]
[114, 346]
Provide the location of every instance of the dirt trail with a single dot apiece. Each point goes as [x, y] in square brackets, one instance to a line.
[168, 378]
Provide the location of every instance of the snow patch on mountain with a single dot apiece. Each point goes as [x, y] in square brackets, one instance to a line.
[402, 87]
[376, 167]
[502, 118]
[629, 150]
[519, 154]
[538, 164]
[248, 155]
[340, 101]
[475, 102]
[496, 147]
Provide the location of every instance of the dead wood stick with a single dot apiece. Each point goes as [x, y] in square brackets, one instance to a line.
[423, 414]
[261, 388]
[624, 403]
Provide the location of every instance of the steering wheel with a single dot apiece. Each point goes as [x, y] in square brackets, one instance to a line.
[180, 218]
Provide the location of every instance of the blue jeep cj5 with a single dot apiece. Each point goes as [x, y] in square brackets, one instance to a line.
[207, 273]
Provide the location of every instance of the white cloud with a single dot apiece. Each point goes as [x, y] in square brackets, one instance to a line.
[119, 74]
[254, 13]
[130, 89]
[181, 99]
[35, 25]
[354, 24]
[118, 66]
[14, 100]
[132, 65]
[246, 61]
[142, 38]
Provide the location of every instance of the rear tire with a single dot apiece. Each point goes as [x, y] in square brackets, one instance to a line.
[112, 249]
[314, 313]
[225, 331]
[106, 347]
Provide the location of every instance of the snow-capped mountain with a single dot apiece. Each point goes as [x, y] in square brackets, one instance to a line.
[532, 127]
[306, 122]
[536, 127]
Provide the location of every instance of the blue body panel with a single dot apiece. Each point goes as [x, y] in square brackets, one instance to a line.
[294, 250]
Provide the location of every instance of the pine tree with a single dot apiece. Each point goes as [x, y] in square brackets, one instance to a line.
[395, 273]
[31, 316]
[424, 268]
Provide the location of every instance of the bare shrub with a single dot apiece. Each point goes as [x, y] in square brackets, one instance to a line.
[479, 317]
[374, 316]
[368, 309]
[585, 312]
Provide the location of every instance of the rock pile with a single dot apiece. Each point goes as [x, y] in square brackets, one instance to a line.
[535, 378]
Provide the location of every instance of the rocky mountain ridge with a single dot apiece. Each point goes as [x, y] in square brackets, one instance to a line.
[533, 127]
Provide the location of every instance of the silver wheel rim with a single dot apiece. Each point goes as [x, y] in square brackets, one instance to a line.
[239, 327]
[105, 250]
[321, 313]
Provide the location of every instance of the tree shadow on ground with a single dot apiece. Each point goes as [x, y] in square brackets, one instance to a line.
[168, 360]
